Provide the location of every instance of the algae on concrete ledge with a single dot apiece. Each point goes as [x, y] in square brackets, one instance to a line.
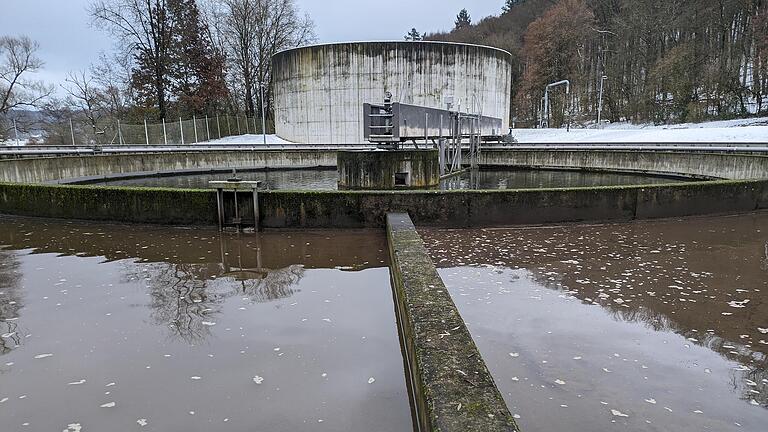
[453, 389]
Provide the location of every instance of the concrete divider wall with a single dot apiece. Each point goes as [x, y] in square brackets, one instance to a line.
[53, 169]
[698, 164]
[353, 209]
[452, 387]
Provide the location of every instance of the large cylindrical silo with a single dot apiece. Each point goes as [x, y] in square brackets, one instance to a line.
[319, 91]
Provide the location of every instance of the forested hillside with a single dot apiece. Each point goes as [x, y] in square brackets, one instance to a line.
[663, 61]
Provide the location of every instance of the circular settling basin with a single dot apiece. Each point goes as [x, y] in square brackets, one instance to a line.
[327, 179]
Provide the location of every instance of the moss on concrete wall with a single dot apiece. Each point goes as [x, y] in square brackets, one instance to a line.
[453, 388]
[357, 209]
[140, 205]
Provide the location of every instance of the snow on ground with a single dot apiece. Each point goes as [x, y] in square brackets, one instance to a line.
[730, 131]
[250, 139]
[13, 143]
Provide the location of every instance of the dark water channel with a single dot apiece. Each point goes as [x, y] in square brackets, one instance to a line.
[321, 179]
[653, 326]
[130, 328]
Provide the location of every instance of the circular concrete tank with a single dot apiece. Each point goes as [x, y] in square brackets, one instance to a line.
[319, 91]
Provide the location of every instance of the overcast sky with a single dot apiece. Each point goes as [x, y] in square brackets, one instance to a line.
[68, 42]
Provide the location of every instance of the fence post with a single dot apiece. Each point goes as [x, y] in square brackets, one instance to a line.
[218, 125]
[207, 128]
[119, 133]
[72, 130]
[165, 135]
[237, 118]
[16, 132]
[146, 130]
[229, 128]
[194, 123]
[181, 127]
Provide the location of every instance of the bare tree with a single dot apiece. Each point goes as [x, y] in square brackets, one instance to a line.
[112, 73]
[18, 59]
[85, 97]
[254, 31]
[145, 28]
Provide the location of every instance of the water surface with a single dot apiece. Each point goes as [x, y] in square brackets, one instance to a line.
[123, 328]
[647, 326]
[328, 179]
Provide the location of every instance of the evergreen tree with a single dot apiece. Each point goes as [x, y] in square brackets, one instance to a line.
[196, 72]
[463, 20]
[510, 4]
[414, 35]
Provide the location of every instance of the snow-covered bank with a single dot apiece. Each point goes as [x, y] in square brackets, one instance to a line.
[730, 131]
[250, 139]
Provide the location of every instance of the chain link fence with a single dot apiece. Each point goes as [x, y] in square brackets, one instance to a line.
[177, 132]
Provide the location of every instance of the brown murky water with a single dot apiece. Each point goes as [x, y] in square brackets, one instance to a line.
[130, 328]
[652, 326]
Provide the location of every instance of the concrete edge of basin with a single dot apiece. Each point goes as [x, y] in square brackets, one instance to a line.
[452, 387]
[368, 209]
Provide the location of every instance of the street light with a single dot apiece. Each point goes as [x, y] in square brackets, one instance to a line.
[263, 113]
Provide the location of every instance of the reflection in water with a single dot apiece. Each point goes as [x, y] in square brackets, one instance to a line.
[182, 327]
[186, 296]
[702, 279]
[536, 179]
[470, 180]
[10, 302]
[312, 179]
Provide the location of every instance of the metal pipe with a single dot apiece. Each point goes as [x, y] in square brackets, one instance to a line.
[567, 84]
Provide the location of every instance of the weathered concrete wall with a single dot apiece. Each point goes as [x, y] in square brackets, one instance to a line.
[358, 209]
[42, 170]
[138, 205]
[453, 388]
[320, 90]
[375, 170]
[692, 164]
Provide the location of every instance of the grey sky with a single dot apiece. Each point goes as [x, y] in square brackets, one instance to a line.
[69, 43]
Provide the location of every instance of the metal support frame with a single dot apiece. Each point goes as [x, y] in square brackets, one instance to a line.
[234, 186]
